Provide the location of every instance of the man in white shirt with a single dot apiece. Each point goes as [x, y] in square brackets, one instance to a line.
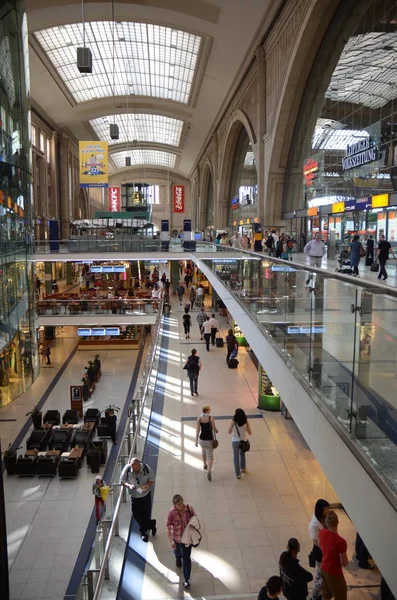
[214, 328]
[200, 296]
[315, 249]
[206, 332]
[235, 241]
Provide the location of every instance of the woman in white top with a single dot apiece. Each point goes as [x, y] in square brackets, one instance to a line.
[240, 429]
[315, 526]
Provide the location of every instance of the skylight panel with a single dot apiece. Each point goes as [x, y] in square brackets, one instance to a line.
[141, 127]
[144, 157]
[147, 58]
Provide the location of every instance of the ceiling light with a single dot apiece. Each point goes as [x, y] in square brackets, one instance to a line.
[114, 131]
[128, 161]
[84, 55]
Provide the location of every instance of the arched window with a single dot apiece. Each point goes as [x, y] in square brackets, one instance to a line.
[243, 190]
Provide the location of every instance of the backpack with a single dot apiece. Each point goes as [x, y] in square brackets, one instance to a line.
[269, 242]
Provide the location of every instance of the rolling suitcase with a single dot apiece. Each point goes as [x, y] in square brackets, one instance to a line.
[219, 342]
[233, 363]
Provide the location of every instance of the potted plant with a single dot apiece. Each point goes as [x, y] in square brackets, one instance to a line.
[86, 389]
[36, 415]
[111, 407]
[94, 454]
[10, 459]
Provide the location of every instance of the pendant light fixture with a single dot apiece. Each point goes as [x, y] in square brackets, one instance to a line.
[84, 55]
[114, 128]
[128, 158]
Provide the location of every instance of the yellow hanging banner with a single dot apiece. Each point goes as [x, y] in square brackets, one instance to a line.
[94, 170]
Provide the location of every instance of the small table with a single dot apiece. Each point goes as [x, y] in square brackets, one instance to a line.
[31, 453]
[55, 453]
[66, 426]
[76, 454]
[89, 426]
[46, 426]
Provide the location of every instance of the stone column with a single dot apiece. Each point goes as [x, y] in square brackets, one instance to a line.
[260, 128]
[64, 215]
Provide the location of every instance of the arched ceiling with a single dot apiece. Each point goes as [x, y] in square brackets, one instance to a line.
[162, 70]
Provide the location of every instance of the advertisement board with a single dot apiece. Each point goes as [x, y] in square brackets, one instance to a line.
[93, 164]
[178, 198]
[114, 199]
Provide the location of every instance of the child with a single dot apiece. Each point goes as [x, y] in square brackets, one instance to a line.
[99, 501]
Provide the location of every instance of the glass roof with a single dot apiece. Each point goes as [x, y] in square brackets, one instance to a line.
[330, 135]
[366, 71]
[140, 127]
[143, 156]
[150, 60]
[249, 159]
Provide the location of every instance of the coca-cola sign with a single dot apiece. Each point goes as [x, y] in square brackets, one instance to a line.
[179, 198]
[114, 199]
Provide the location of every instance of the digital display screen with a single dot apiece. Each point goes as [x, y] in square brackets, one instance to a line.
[112, 330]
[305, 329]
[198, 236]
[107, 269]
[98, 331]
[96, 269]
[281, 269]
[119, 269]
[82, 331]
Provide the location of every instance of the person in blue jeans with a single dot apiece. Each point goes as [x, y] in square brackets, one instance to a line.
[240, 430]
[176, 523]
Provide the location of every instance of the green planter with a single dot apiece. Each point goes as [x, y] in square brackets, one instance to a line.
[269, 403]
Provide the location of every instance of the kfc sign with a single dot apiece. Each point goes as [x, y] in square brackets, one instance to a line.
[179, 198]
[114, 199]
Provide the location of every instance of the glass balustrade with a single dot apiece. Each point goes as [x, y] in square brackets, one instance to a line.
[89, 306]
[339, 337]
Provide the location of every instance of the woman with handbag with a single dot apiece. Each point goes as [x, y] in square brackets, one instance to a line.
[206, 430]
[240, 429]
[315, 526]
[356, 252]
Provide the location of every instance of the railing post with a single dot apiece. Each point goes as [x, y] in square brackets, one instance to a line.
[104, 540]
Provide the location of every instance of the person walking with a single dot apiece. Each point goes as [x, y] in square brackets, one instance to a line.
[205, 430]
[334, 549]
[384, 248]
[200, 296]
[356, 251]
[315, 249]
[186, 324]
[206, 332]
[240, 429]
[295, 578]
[99, 501]
[47, 353]
[180, 290]
[138, 478]
[268, 244]
[235, 241]
[316, 524]
[192, 296]
[231, 344]
[369, 251]
[193, 367]
[289, 248]
[177, 521]
[245, 241]
[201, 319]
[214, 328]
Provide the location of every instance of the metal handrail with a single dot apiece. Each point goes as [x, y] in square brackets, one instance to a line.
[112, 531]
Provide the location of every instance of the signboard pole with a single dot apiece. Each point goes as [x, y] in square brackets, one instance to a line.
[76, 399]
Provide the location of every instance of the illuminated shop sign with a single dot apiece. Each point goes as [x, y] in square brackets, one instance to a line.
[361, 153]
[295, 330]
[380, 200]
[310, 168]
[97, 331]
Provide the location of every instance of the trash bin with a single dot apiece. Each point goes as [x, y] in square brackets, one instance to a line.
[167, 310]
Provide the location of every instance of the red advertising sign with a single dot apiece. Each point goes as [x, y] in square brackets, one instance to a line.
[178, 194]
[114, 199]
[310, 169]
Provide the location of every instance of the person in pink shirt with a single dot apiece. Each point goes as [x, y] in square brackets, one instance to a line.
[176, 523]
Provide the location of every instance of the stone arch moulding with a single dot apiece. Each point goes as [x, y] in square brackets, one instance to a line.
[238, 121]
[314, 25]
[193, 204]
[206, 173]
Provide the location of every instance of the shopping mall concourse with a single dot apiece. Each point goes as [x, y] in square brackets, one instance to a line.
[198, 299]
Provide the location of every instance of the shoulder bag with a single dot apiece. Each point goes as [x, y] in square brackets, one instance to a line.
[362, 251]
[215, 442]
[244, 444]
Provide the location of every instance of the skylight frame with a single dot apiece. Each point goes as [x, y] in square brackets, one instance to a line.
[144, 156]
[151, 60]
[143, 127]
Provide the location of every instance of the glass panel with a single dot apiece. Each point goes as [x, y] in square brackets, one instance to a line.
[141, 127]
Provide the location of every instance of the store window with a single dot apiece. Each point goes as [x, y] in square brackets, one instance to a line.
[34, 142]
[344, 145]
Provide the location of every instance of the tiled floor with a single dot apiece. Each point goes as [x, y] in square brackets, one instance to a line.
[47, 518]
[245, 523]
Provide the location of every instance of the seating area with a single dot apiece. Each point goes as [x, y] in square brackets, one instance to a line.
[61, 448]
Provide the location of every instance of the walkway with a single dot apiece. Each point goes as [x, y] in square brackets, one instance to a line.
[246, 523]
